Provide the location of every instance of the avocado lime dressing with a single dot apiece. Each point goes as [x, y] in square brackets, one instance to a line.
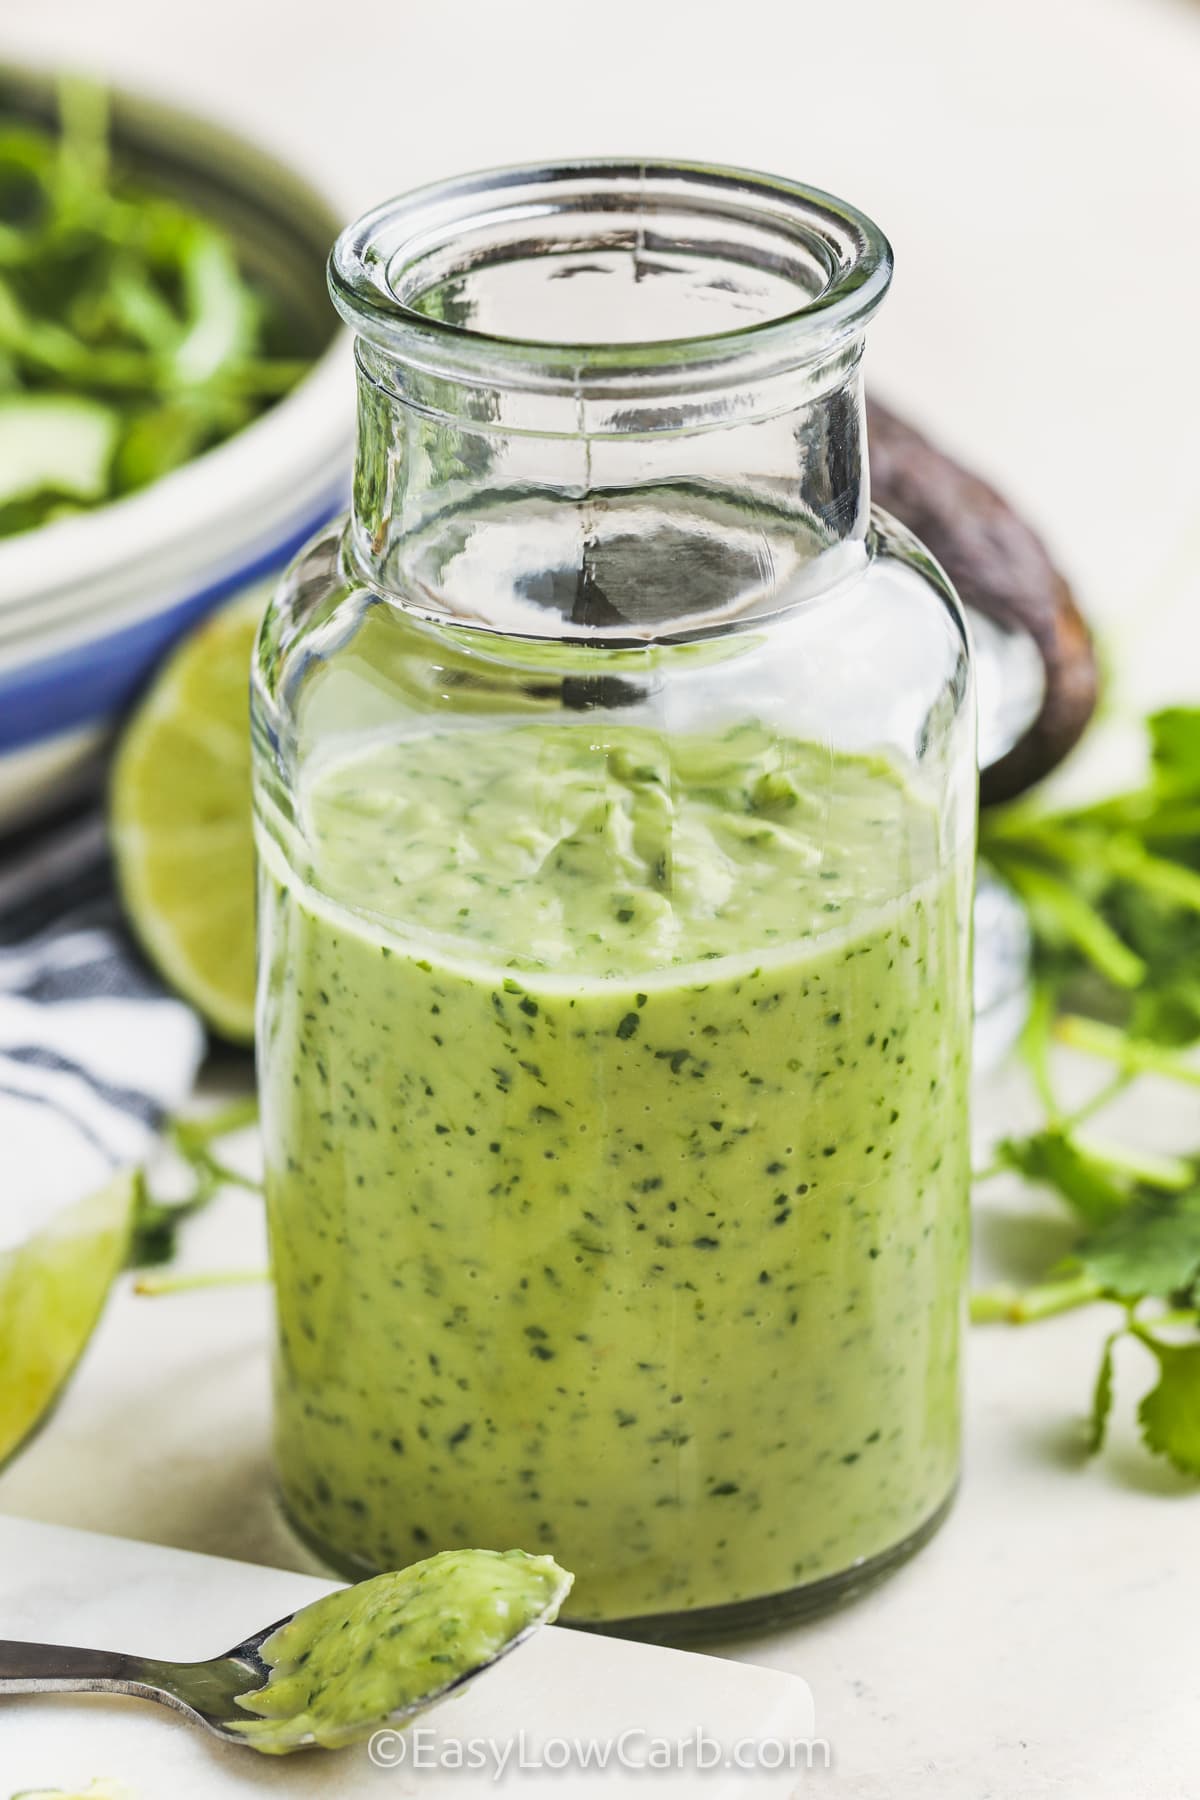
[615, 1112]
[342, 1666]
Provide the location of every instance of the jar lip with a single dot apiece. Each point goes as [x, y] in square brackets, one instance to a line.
[394, 235]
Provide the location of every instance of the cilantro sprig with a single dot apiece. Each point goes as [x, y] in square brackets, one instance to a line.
[1113, 895]
[195, 1142]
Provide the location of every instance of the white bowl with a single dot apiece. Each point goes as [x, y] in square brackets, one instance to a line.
[90, 604]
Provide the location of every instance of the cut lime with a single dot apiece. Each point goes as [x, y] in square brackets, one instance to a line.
[52, 1292]
[180, 820]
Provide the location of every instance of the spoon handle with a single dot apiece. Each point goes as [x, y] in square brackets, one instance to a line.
[57, 1668]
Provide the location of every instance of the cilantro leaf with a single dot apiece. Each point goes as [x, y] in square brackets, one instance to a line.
[1113, 891]
[1052, 1156]
[1151, 1249]
[156, 1223]
[1102, 1396]
[1175, 747]
[1166, 1016]
[154, 1236]
[1169, 1414]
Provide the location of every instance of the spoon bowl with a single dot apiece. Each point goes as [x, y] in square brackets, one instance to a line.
[207, 1693]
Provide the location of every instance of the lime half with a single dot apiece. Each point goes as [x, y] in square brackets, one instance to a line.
[180, 820]
[52, 1292]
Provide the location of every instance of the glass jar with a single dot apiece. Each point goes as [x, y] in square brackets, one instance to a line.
[615, 789]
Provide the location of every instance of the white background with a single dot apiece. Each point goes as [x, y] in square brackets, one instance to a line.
[1035, 163]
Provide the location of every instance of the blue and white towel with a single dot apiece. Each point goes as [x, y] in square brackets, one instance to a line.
[93, 1052]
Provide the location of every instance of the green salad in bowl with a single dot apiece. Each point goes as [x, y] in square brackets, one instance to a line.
[132, 338]
[175, 408]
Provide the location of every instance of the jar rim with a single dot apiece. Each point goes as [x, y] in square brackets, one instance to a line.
[372, 255]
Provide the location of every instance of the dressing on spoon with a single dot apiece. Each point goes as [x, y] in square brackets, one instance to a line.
[343, 1666]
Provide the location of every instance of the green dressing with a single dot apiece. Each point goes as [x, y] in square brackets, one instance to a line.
[343, 1666]
[616, 1131]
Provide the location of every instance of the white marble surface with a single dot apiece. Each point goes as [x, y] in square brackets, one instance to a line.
[1036, 166]
[565, 1691]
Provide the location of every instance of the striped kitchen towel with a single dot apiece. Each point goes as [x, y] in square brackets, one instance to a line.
[93, 1053]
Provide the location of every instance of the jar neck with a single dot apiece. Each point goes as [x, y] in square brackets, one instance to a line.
[620, 510]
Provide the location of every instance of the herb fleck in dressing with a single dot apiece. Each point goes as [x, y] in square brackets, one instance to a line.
[615, 1111]
[341, 1667]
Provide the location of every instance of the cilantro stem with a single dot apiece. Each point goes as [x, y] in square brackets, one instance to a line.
[1142, 811]
[1075, 918]
[157, 1286]
[192, 1137]
[1174, 1318]
[1170, 1174]
[1035, 1045]
[157, 1222]
[1135, 1056]
[237, 1115]
[1066, 1124]
[1025, 1306]
[1104, 1096]
[1120, 854]
[1136, 1328]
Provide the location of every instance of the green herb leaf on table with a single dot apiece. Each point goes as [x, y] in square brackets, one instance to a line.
[1169, 1414]
[1102, 1395]
[1152, 1250]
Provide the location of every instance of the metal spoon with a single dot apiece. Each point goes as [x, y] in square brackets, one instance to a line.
[205, 1691]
